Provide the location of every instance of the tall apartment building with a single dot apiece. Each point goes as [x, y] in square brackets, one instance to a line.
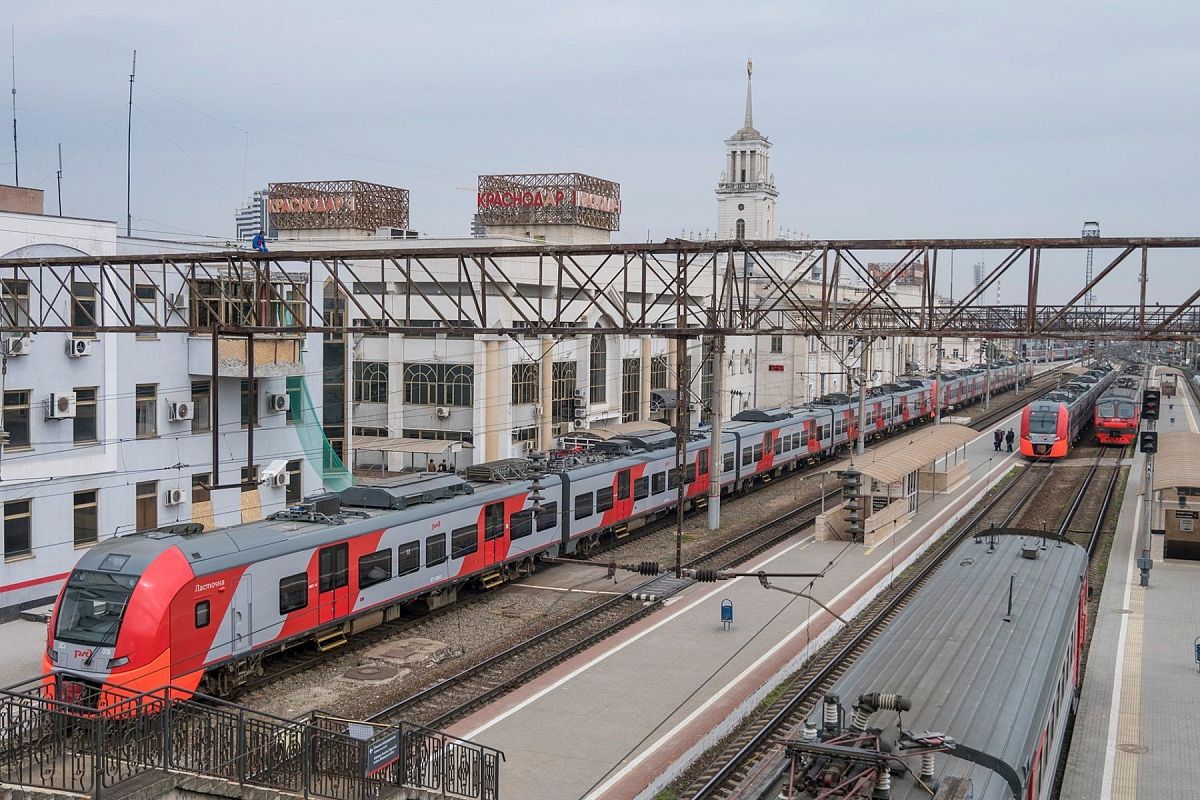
[254, 217]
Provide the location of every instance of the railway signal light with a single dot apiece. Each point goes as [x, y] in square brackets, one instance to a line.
[1150, 403]
[1148, 442]
[851, 482]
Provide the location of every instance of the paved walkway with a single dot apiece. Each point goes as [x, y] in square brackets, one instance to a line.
[22, 644]
[622, 719]
[1137, 729]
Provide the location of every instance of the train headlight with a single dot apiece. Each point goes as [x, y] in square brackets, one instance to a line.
[118, 662]
[52, 654]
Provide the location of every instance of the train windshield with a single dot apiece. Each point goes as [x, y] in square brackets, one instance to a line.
[92, 607]
[1110, 409]
[1043, 422]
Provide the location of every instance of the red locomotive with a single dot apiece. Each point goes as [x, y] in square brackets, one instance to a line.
[1118, 412]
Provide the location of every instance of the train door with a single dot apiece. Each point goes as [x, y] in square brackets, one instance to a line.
[333, 582]
[240, 622]
[493, 533]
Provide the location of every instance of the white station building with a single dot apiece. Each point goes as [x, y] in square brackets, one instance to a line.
[111, 434]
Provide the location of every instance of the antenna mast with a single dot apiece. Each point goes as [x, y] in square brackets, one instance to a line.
[129, 151]
[16, 160]
[60, 179]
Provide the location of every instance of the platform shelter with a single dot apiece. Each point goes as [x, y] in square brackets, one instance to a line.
[895, 474]
[1176, 494]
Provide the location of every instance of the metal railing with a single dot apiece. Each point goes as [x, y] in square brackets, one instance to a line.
[97, 740]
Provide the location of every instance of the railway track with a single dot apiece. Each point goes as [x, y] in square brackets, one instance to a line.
[749, 763]
[451, 700]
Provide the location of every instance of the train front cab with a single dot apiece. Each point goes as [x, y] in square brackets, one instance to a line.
[1045, 431]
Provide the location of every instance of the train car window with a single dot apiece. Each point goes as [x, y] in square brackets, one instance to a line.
[824, 431]
[203, 610]
[520, 524]
[493, 521]
[547, 517]
[374, 568]
[703, 462]
[727, 462]
[641, 488]
[408, 557]
[778, 446]
[604, 498]
[623, 484]
[334, 565]
[689, 473]
[658, 482]
[672, 478]
[435, 550]
[293, 593]
[747, 455]
[583, 505]
[758, 453]
[463, 541]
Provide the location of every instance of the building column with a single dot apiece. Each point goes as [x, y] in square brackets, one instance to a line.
[546, 395]
[492, 421]
[644, 392]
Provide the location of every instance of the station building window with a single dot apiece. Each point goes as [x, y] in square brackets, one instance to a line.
[524, 383]
[85, 426]
[146, 410]
[439, 384]
[86, 521]
[370, 382]
[18, 529]
[16, 419]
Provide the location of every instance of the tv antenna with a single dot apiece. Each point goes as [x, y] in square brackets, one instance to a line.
[16, 160]
[129, 151]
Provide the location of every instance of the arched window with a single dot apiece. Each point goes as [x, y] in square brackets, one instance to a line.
[420, 384]
[741, 229]
[460, 385]
[370, 382]
[598, 370]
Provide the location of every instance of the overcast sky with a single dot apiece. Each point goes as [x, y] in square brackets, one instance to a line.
[888, 119]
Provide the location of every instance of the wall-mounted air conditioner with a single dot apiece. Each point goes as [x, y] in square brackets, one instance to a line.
[60, 405]
[179, 411]
[78, 348]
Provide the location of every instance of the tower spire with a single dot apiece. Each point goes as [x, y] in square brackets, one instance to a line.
[749, 97]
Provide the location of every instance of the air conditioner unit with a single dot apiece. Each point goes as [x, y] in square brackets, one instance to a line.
[442, 412]
[580, 413]
[275, 474]
[537, 412]
[180, 411]
[61, 405]
[278, 402]
[174, 497]
[17, 346]
[278, 480]
[177, 301]
[78, 348]
[579, 424]
[578, 393]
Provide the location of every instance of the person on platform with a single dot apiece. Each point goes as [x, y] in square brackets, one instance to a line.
[432, 466]
[997, 438]
[259, 242]
[1008, 439]
[443, 467]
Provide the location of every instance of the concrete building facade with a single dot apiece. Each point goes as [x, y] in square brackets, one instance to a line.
[114, 433]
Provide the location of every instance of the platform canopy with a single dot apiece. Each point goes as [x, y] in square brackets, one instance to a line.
[1177, 463]
[387, 444]
[912, 450]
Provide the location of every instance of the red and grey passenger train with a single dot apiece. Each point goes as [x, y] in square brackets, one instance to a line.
[200, 610]
[1119, 411]
[1051, 426]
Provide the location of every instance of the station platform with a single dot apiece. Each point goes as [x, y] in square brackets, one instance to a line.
[624, 718]
[1137, 727]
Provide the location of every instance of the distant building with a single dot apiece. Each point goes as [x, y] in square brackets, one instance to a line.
[253, 217]
[478, 229]
[912, 275]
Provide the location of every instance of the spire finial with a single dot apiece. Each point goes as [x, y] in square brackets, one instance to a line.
[749, 98]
